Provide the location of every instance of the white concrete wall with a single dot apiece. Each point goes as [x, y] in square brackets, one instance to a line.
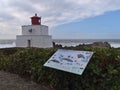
[36, 30]
[41, 41]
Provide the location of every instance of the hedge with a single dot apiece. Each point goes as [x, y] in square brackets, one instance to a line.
[102, 72]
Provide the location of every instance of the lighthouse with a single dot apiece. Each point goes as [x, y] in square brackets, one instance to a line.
[34, 35]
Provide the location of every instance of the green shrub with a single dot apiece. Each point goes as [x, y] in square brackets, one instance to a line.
[102, 72]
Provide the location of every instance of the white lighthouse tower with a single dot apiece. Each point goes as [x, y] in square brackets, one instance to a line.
[34, 35]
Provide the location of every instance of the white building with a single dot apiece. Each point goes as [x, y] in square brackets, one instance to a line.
[35, 35]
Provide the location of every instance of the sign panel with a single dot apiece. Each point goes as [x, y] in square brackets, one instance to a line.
[69, 60]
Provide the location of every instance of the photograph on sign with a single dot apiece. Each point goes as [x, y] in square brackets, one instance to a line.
[73, 61]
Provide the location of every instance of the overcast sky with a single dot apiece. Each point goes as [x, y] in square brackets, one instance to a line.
[67, 19]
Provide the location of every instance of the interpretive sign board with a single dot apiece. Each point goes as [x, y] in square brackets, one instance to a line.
[69, 60]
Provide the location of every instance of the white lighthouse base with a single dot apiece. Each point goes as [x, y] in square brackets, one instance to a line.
[40, 41]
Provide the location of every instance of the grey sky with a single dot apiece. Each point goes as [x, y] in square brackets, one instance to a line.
[14, 13]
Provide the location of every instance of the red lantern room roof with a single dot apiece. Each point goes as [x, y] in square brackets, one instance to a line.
[35, 20]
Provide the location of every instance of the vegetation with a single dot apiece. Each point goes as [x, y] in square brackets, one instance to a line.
[102, 72]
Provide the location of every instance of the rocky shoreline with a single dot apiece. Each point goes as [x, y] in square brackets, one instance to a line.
[94, 44]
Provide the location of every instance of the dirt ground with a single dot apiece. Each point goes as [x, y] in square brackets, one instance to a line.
[10, 81]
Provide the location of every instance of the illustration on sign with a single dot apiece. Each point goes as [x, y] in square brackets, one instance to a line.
[69, 60]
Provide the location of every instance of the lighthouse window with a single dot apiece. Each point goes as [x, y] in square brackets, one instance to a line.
[30, 30]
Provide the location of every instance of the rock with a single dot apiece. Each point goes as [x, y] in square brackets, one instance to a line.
[100, 44]
[57, 45]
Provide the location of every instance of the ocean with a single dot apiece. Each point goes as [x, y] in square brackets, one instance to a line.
[67, 42]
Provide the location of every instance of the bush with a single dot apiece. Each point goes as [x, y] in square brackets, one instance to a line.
[102, 72]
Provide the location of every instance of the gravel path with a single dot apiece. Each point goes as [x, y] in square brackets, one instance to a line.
[10, 81]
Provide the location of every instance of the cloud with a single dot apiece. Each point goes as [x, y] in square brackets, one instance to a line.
[15, 13]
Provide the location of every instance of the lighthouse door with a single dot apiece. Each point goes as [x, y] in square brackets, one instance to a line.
[29, 43]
